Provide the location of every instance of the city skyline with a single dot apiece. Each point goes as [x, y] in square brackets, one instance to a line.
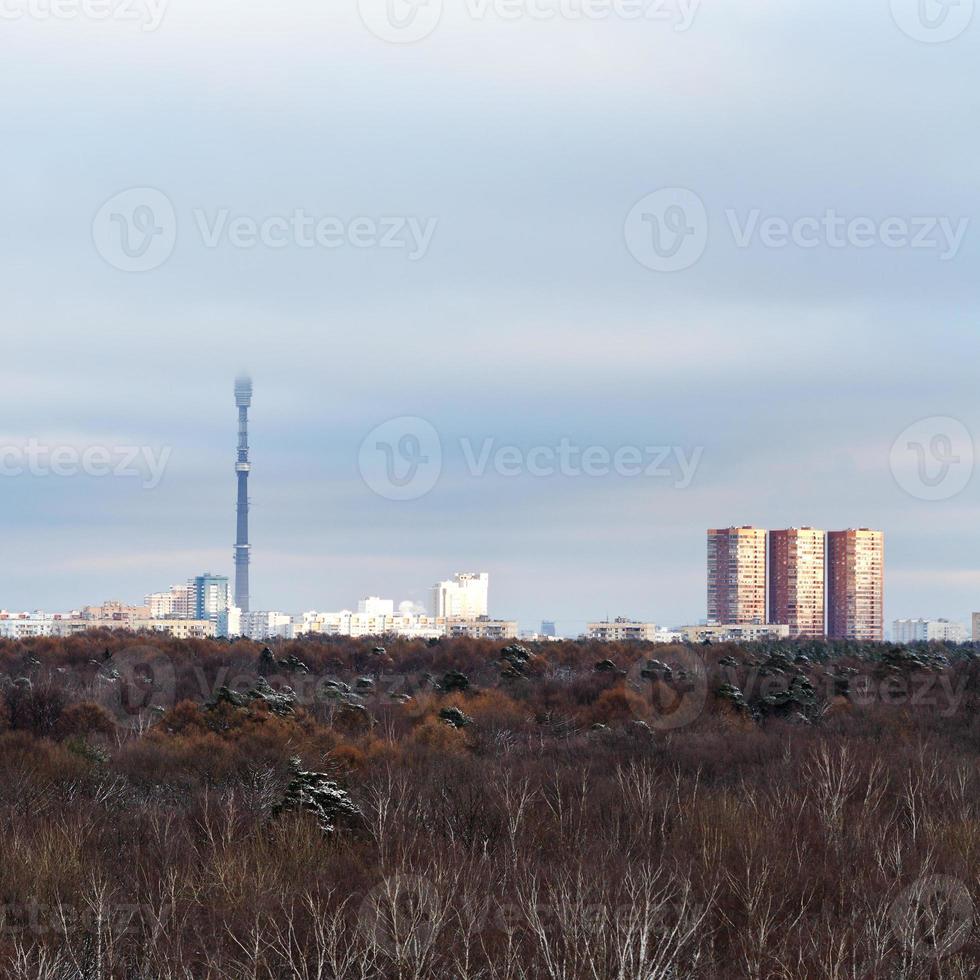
[527, 320]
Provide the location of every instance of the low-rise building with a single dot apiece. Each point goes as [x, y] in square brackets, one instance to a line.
[928, 631]
[23, 625]
[732, 633]
[482, 628]
[264, 625]
[371, 623]
[621, 630]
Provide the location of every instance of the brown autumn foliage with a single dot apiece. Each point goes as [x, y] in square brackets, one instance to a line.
[789, 811]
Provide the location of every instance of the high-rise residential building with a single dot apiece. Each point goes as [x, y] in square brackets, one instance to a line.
[212, 600]
[548, 628]
[177, 603]
[927, 631]
[975, 620]
[374, 606]
[855, 584]
[796, 580]
[737, 575]
[464, 597]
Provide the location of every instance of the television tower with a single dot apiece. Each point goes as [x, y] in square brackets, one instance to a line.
[243, 550]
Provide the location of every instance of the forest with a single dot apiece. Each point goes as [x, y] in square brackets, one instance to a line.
[337, 808]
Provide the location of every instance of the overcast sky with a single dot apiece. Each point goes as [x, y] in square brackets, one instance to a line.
[527, 306]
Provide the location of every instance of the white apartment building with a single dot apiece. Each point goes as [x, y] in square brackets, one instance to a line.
[182, 629]
[735, 633]
[403, 623]
[465, 596]
[19, 626]
[622, 630]
[177, 602]
[370, 623]
[262, 625]
[928, 631]
[373, 606]
[483, 628]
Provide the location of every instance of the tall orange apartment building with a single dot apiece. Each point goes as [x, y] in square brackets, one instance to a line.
[737, 575]
[796, 580]
[855, 584]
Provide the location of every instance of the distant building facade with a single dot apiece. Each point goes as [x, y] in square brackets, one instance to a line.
[177, 603]
[370, 623]
[734, 632]
[622, 630]
[796, 580]
[20, 626]
[737, 575]
[465, 596]
[264, 625]
[855, 585]
[212, 600]
[928, 631]
[483, 628]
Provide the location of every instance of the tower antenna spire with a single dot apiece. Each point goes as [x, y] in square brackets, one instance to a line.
[243, 550]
